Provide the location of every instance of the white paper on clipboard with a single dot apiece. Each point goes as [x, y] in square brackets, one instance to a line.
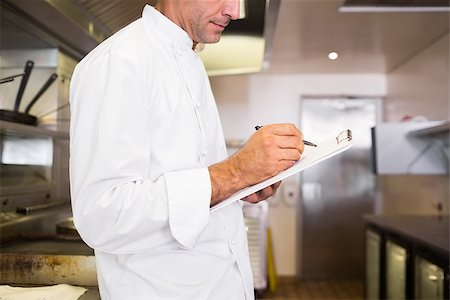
[311, 155]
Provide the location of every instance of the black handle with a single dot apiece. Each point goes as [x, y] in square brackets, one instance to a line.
[42, 90]
[27, 71]
[9, 78]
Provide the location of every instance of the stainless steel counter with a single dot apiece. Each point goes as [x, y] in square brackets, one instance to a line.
[33, 253]
[430, 231]
[91, 294]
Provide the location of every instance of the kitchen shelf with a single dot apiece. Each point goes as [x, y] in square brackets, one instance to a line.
[432, 131]
[18, 128]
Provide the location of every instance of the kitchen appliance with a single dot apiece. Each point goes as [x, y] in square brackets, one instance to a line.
[40, 245]
[34, 179]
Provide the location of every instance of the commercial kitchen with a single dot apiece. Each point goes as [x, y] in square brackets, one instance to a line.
[369, 223]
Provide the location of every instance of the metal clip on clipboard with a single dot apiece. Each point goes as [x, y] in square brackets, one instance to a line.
[345, 135]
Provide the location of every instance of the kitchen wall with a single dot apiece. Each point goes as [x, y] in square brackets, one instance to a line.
[419, 87]
[248, 100]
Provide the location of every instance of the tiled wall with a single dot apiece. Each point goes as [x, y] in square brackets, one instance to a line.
[420, 86]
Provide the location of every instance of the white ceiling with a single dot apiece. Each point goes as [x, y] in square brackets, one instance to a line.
[307, 30]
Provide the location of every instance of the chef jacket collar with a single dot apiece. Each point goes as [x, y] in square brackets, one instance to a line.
[172, 33]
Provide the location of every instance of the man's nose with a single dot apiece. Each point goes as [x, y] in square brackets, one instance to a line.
[232, 9]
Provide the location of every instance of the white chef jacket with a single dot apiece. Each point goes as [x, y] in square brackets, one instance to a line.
[144, 129]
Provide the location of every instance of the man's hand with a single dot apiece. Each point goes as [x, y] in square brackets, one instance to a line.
[270, 150]
[262, 194]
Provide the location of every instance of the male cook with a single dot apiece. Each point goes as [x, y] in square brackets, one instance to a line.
[148, 160]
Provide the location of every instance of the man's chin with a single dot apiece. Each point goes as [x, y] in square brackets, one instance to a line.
[212, 38]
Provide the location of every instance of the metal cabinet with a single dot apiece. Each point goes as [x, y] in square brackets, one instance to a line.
[406, 264]
[373, 243]
[395, 271]
[429, 280]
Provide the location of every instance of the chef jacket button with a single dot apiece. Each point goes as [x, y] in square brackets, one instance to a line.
[198, 104]
[204, 152]
[233, 242]
[222, 146]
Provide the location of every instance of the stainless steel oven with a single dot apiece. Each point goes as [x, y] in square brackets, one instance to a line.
[34, 180]
[40, 245]
[34, 171]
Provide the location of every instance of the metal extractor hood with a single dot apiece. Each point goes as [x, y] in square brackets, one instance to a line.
[77, 26]
[395, 6]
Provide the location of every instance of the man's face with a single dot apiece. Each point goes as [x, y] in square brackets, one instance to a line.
[205, 20]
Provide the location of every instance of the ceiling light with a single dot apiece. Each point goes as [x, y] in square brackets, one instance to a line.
[333, 55]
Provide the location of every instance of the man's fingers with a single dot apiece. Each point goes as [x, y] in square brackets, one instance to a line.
[262, 194]
[265, 193]
[286, 129]
[289, 142]
[252, 198]
[275, 186]
[259, 195]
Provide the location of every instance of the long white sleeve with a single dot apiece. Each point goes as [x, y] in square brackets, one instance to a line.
[117, 206]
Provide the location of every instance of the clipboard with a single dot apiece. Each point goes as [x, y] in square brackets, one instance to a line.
[325, 149]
